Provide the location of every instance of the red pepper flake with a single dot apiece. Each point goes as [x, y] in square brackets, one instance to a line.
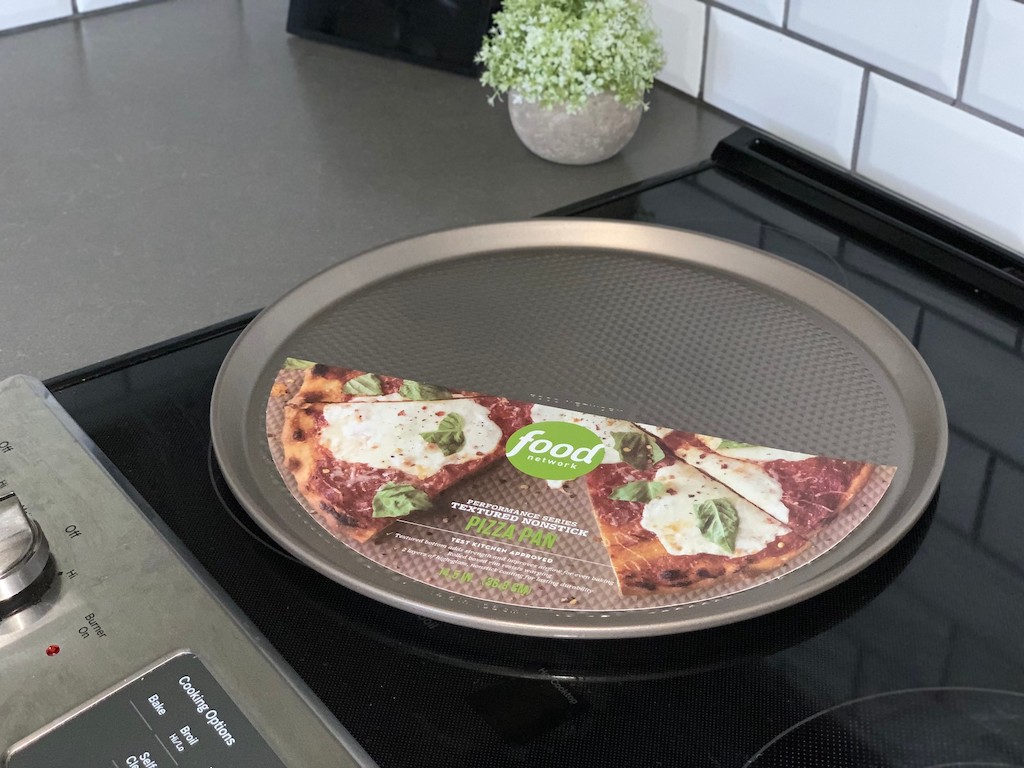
[439, 413]
[402, 412]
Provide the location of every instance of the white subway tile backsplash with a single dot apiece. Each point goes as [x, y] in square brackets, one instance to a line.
[85, 6]
[921, 41]
[995, 70]
[946, 159]
[681, 23]
[18, 13]
[769, 10]
[786, 87]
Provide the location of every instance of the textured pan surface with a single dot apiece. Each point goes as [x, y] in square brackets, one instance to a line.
[642, 322]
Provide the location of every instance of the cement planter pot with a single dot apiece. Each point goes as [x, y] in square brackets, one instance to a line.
[598, 131]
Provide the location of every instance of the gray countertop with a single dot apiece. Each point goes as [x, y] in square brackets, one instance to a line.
[168, 166]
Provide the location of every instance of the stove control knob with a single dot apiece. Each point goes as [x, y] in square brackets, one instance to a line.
[26, 569]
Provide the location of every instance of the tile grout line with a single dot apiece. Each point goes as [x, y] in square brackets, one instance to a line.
[743, 15]
[972, 18]
[859, 128]
[899, 79]
[77, 14]
[869, 69]
[785, 14]
[990, 119]
[812, 43]
[704, 52]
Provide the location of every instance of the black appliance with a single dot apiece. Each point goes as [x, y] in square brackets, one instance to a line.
[916, 661]
[445, 34]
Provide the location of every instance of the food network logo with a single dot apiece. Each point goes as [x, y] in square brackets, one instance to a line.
[555, 450]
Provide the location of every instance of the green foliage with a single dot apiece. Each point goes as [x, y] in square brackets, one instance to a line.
[563, 51]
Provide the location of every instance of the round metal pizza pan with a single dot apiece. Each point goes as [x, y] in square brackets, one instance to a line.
[655, 324]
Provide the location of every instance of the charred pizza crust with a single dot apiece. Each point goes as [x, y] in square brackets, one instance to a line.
[340, 493]
[643, 565]
[306, 462]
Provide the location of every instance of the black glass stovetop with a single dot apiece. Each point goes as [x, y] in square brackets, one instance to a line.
[917, 661]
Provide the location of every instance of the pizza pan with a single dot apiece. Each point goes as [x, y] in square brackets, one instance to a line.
[652, 324]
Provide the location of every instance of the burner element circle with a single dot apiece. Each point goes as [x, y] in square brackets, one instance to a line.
[914, 728]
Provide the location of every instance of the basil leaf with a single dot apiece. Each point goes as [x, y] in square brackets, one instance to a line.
[295, 364]
[398, 500]
[727, 444]
[448, 436]
[367, 384]
[719, 521]
[637, 449]
[416, 390]
[639, 490]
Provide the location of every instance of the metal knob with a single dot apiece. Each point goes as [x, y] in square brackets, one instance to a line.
[24, 557]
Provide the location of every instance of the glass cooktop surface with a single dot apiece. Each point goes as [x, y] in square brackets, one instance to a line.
[916, 661]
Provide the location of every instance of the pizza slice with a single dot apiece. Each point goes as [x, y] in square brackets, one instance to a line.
[801, 490]
[364, 449]
[332, 384]
[669, 527]
[361, 464]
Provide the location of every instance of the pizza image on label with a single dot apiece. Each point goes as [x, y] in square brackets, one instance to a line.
[669, 526]
[798, 489]
[441, 484]
[386, 447]
[330, 384]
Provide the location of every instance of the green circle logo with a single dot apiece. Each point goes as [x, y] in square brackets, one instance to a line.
[554, 450]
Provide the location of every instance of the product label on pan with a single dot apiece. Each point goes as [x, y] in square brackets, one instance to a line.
[546, 506]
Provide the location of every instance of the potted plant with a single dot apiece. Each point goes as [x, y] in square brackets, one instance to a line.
[575, 72]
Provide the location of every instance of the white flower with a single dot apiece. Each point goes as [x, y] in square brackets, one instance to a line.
[562, 51]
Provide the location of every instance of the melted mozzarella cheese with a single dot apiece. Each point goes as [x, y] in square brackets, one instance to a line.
[386, 434]
[752, 452]
[745, 452]
[739, 468]
[747, 478]
[601, 426]
[672, 519]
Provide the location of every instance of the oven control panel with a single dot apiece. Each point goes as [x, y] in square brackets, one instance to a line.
[115, 647]
[173, 714]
